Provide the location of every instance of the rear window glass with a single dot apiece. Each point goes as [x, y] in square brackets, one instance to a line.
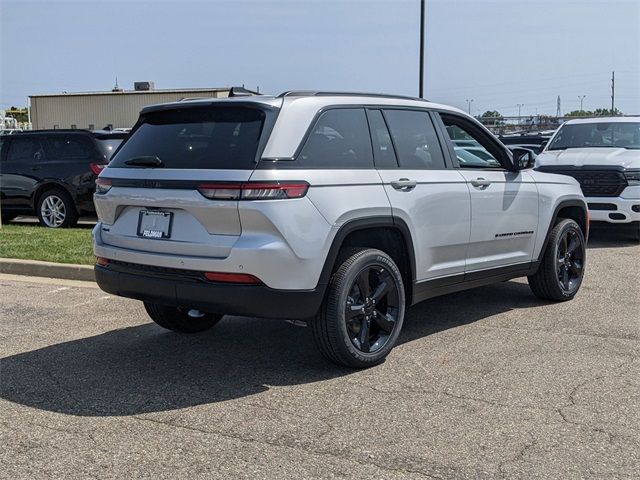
[71, 147]
[25, 150]
[339, 139]
[109, 146]
[415, 139]
[196, 138]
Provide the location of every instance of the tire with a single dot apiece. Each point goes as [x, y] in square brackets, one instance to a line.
[55, 209]
[179, 320]
[562, 268]
[367, 337]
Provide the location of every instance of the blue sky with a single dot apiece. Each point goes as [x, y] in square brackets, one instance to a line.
[498, 53]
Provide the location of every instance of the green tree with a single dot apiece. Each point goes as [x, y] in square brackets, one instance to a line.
[580, 113]
[607, 112]
[491, 117]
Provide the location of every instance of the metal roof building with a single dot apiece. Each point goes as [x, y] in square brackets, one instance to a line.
[95, 110]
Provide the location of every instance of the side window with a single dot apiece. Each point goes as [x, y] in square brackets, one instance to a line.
[471, 149]
[415, 139]
[71, 147]
[25, 150]
[339, 139]
[383, 153]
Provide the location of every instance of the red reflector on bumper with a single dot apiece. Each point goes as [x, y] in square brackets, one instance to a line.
[103, 262]
[232, 278]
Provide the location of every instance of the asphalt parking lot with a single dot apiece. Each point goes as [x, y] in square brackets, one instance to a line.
[487, 383]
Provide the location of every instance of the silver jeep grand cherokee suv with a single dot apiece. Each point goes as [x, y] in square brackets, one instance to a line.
[340, 209]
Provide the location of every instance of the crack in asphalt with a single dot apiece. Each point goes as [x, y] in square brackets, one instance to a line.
[287, 445]
[518, 456]
[590, 335]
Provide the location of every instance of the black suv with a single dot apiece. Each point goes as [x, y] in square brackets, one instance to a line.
[52, 173]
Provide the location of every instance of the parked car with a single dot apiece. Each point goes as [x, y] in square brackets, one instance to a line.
[339, 209]
[603, 154]
[52, 173]
[534, 141]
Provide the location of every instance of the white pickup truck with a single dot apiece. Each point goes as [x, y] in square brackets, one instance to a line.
[603, 154]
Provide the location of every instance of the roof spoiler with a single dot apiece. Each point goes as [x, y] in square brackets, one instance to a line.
[242, 92]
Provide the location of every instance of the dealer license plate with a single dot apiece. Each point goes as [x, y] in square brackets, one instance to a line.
[154, 224]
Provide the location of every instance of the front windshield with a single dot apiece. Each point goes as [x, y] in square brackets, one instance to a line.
[604, 134]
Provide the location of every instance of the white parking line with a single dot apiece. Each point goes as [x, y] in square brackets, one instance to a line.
[56, 290]
[90, 302]
[47, 281]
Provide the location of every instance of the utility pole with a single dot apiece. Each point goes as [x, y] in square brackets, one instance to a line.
[422, 12]
[613, 92]
[581, 98]
[469, 101]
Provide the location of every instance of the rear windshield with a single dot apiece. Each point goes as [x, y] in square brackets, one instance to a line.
[109, 146]
[605, 134]
[196, 138]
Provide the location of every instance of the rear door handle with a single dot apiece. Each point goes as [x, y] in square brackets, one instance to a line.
[404, 184]
[480, 182]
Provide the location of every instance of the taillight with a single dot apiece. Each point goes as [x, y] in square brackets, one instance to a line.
[253, 190]
[232, 278]
[103, 185]
[96, 168]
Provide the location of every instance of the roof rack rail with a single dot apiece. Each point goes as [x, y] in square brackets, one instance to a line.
[313, 93]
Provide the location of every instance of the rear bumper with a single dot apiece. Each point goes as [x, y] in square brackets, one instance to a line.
[186, 289]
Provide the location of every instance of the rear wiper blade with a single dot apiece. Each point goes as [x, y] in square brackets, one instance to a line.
[147, 161]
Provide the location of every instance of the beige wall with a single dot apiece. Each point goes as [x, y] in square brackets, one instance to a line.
[120, 109]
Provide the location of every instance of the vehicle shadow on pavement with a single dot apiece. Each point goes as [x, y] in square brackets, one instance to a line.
[603, 237]
[457, 309]
[144, 369]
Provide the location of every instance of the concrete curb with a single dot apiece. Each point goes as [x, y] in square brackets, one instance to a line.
[35, 268]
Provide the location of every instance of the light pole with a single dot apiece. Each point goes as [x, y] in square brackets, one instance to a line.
[469, 101]
[421, 87]
[581, 98]
[519, 105]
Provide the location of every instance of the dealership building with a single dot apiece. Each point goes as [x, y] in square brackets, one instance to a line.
[115, 108]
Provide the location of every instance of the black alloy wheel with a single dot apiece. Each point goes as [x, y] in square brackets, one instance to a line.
[371, 310]
[570, 260]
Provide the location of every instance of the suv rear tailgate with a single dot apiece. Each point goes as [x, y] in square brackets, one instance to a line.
[199, 226]
[155, 174]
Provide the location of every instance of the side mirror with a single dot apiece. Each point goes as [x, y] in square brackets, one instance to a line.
[523, 158]
[543, 144]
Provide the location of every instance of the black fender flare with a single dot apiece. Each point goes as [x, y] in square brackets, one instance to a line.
[386, 221]
[48, 184]
[564, 204]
